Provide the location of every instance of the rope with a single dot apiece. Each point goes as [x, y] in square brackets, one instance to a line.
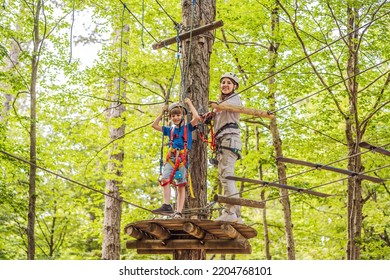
[315, 168]
[143, 27]
[166, 103]
[71, 180]
[186, 70]
[328, 87]
[174, 22]
[307, 56]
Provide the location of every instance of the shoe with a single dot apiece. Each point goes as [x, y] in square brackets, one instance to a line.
[177, 215]
[165, 209]
[239, 220]
[227, 217]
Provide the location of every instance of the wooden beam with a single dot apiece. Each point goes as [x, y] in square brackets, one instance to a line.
[230, 231]
[158, 231]
[185, 244]
[238, 201]
[331, 168]
[242, 110]
[135, 232]
[187, 35]
[281, 186]
[194, 230]
[374, 148]
[208, 251]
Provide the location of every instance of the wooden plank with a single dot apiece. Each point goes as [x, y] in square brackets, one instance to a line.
[184, 244]
[374, 148]
[331, 168]
[187, 35]
[282, 186]
[208, 251]
[242, 110]
[234, 234]
[134, 232]
[158, 231]
[238, 201]
[175, 227]
[194, 230]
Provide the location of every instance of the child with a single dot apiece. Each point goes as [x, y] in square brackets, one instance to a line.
[180, 141]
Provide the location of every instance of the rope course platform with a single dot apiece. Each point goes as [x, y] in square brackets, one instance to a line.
[164, 236]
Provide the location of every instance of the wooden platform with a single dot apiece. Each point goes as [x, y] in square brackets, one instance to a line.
[164, 236]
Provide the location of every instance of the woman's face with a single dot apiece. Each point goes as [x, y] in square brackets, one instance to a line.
[227, 86]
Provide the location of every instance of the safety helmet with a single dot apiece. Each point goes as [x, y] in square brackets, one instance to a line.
[232, 76]
[177, 105]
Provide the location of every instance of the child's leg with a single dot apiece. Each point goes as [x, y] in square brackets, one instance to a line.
[166, 192]
[181, 194]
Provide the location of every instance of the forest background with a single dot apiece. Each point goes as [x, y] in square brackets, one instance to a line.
[47, 92]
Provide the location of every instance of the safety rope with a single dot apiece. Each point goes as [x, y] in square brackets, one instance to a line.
[71, 180]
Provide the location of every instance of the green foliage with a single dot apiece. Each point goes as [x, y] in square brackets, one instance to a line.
[73, 133]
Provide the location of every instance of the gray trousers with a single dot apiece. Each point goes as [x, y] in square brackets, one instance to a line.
[226, 163]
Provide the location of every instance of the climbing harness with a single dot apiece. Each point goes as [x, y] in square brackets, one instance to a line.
[179, 156]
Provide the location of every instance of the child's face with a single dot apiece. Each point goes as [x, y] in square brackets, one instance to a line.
[176, 118]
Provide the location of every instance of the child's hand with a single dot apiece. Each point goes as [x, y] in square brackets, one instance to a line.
[164, 108]
[187, 101]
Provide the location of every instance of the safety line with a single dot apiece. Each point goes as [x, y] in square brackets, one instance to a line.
[70, 180]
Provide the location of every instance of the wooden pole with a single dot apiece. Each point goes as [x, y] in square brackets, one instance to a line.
[158, 231]
[230, 231]
[134, 232]
[281, 186]
[375, 149]
[238, 201]
[242, 110]
[185, 244]
[330, 168]
[187, 35]
[194, 230]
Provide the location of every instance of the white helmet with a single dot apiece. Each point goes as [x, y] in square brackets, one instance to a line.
[232, 76]
[177, 105]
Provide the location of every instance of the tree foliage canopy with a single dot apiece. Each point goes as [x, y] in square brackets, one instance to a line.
[73, 133]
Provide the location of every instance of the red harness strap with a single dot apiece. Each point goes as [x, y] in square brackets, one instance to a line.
[180, 157]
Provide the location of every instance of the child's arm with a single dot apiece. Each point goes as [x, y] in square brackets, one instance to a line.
[195, 115]
[156, 122]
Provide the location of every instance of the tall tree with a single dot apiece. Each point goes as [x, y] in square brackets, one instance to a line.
[37, 47]
[115, 119]
[196, 66]
[276, 140]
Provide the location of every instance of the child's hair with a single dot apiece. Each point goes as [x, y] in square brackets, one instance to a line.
[176, 111]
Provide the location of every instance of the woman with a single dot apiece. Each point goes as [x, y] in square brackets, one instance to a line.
[228, 141]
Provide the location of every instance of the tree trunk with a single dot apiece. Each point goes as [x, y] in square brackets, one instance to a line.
[277, 142]
[112, 204]
[10, 63]
[353, 135]
[33, 135]
[196, 79]
[262, 197]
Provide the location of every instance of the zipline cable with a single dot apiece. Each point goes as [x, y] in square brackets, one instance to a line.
[174, 22]
[307, 56]
[71, 180]
[314, 168]
[333, 85]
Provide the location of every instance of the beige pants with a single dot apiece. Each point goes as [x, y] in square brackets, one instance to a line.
[226, 163]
